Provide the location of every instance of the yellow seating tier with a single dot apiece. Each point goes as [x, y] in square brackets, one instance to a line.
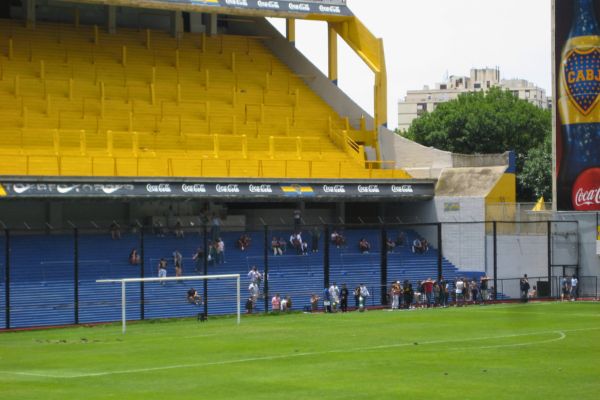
[81, 102]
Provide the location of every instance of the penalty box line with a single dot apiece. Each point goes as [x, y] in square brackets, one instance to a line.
[561, 333]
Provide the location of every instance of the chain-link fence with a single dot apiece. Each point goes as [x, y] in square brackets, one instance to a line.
[49, 277]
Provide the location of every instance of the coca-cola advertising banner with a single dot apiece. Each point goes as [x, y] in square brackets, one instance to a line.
[577, 67]
[326, 7]
[221, 190]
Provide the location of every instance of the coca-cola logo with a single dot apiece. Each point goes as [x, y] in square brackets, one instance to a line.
[368, 188]
[159, 188]
[586, 191]
[260, 189]
[402, 189]
[232, 188]
[196, 188]
[241, 3]
[268, 4]
[334, 189]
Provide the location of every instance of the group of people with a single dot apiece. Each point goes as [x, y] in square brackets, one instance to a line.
[568, 288]
[335, 299]
[438, 293]
[420, 246]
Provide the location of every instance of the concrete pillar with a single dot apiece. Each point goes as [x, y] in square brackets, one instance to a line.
[212, 27]
[29, 6]
[111, 19]
[177, 24]
[196, 23]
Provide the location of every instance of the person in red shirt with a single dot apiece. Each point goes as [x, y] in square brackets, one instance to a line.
[428, 289]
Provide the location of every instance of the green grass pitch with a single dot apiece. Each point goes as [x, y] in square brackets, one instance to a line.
[518, 351]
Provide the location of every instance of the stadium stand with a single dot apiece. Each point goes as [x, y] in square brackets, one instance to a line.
[77, 101]
[43, 283]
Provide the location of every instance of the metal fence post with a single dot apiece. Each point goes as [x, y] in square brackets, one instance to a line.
[142, 275]
[440, 250]
[384, 267]
[495, 245]
[326, 257]
[7, 276]
[549, 225]
[266, 272]
[76, 274]
[205, 269]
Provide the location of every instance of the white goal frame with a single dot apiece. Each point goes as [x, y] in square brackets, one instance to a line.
[125, 281]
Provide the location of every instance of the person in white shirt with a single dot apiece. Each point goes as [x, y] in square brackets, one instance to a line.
[574, 283]
[460, 286]
[364, 294]
[334, 295]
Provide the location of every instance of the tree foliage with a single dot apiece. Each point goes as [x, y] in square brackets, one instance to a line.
[536, 177]
[483, 123]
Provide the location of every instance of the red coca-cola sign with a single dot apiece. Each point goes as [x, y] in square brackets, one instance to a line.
[586, 190]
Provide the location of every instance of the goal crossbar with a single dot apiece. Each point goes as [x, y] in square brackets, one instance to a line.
[125, 281]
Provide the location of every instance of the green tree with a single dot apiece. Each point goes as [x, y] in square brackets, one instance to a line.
[483, 123]
[536, 177]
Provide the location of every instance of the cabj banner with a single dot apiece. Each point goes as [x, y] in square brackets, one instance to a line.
[577, 83]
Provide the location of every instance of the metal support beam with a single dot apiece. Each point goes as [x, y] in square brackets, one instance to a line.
[549, 258]
[205, 269]
[495, 244]
[76, 275]
[290, 30]
[384, 267]
[266, 272]
[142, 275]
[333, 54]
[7, 277]
[440, 258]
[326, 257]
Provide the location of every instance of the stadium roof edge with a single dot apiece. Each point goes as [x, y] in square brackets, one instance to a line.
[217, 7]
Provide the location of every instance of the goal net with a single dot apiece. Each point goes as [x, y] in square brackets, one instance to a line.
[170, 297]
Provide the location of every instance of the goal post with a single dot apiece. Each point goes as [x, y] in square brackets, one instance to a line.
[125, 281]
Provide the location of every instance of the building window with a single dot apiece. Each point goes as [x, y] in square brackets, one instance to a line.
[443, 87]
[477, 86]
[421, 108]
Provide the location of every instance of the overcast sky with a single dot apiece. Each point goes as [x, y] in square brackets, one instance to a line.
[427, 39]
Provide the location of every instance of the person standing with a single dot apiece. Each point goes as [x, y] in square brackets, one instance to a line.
[428, 289]
[395, 292]
[344, 293]
[178, 262]
[524, 286]
[162, 269]
[443, 284]
[483, 288]
[334, 296]
[276, 303]
[364, 295]
[574, 284]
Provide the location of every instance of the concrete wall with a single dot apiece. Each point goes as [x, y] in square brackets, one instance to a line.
[589, 261]
[418, 160]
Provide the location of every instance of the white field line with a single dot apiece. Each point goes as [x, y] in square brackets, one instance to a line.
[562, 336]
[73, 375]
